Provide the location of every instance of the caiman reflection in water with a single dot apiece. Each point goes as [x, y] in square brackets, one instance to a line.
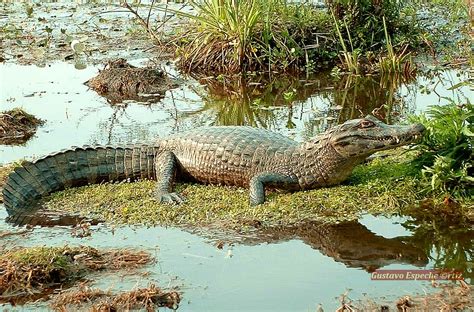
[350, 243]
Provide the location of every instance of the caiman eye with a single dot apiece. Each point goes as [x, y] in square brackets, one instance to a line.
[366, 124]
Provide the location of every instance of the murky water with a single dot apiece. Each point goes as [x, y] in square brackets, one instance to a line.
[287, 270]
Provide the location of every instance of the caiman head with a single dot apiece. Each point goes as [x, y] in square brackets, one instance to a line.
[362, 137]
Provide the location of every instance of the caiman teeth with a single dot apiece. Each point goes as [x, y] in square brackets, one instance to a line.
[397, 140]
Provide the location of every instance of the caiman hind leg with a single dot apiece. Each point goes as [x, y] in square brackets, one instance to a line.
[166, 166]
[257, 185]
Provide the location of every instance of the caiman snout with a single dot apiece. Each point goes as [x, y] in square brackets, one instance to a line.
[368, 135]
[419, 128]
[417, 131]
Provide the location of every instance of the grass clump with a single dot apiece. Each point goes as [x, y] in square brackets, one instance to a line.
[378, 187]
[17, 126]
[357, 59]
[279, 35]
[364, 20]
[453, 296]
[394, 62]
[237, 36]
[147, 299]
[35, 271]
[446, 150]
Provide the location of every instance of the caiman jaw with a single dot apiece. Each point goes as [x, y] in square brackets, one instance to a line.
[363, 137]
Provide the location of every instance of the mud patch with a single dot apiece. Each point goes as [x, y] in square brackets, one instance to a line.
[30, 273]
[91, 299]
[17, 126]
[120, 81]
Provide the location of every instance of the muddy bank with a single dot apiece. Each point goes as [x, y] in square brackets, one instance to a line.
[17, 126]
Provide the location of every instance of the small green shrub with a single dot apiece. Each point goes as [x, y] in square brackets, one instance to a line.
[221, 33]
[446, 150]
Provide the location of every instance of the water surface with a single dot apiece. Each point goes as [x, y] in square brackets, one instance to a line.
[285, 270]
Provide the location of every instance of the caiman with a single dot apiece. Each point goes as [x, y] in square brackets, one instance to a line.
[228, 155]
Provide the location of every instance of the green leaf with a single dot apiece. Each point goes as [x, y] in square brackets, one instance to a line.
[460, 85]
[466, 131]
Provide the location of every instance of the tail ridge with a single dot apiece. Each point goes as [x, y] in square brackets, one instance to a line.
[76, 167]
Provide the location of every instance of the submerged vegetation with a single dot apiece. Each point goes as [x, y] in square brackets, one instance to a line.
[277, 102]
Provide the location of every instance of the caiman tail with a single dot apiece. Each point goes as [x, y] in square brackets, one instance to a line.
[75, 167]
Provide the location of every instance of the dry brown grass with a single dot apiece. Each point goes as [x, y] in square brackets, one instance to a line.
[37, 270]
[120, 81]
[450, 297]
[17, 126]
[96, 300]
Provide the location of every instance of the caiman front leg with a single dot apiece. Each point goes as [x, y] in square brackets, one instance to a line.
[166, 166]
[258, 182]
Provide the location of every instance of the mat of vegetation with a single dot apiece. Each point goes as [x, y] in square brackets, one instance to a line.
[440, 168]
[28, 273]
[120, 81]
[91, 299]
[17, 126]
